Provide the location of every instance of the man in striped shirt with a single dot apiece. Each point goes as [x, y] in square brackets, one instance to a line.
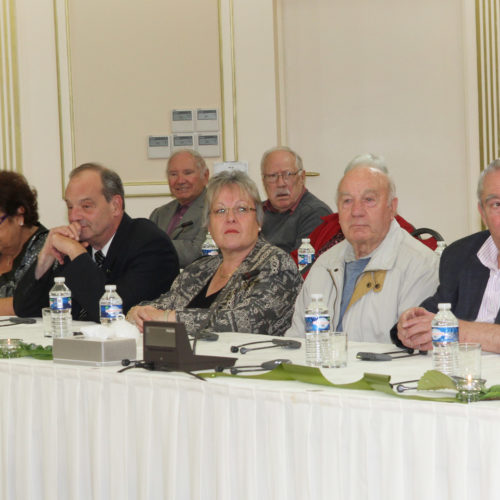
[469, 279]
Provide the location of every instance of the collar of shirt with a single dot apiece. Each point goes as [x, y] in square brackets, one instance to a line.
[104, 249]
[488, 254]
[268, 207]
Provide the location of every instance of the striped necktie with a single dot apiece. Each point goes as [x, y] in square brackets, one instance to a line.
[99, 258]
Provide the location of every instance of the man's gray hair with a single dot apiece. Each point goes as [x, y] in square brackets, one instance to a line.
[199, 161]
[298, 159]
[492, 167]
[372, 161]
[232, 178]
[111, 183]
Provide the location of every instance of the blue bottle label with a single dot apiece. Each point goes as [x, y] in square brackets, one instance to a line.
[445, 333]
[305, 259]
[207, 252]
[317, 323]
[59, 303]
[111, 311]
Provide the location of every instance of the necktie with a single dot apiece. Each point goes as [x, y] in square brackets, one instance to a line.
[99, 258]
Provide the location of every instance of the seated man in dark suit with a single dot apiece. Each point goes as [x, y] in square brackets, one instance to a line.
[181, 219]
[291, 212]
[101, 245]
[469, 279]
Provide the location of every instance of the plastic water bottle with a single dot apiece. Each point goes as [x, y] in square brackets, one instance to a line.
[317, 320]
[441, 245]
[305, 253]
[445, 340]
[60, 308]
[110, 305]
[209, 247]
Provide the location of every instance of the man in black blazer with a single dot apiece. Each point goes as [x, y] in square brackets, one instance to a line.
[469, 279]
[101, 245]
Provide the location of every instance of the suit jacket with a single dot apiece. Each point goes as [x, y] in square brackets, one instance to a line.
[141, 262]
[187, 240]
[462, 280]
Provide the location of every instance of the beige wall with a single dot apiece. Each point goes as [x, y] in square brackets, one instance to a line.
[387, 77]
[331, 78]
[131, 64]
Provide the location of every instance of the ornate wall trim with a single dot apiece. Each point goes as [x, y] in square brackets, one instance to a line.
[10, 120]
[487, 38]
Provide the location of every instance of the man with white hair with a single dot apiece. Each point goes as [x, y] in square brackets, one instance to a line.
[469, 279]
[291, 212]
[181, 219]
[368, 279]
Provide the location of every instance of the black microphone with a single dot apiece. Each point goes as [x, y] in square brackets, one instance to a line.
[286, 343]
[127, 363]
[266, 366]
[183, 226]
[250, 274]
[202, 332]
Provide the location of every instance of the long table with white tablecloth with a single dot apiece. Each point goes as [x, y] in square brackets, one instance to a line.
[79, 432]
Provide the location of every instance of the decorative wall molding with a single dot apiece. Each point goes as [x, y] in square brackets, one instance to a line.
[10, 121]
[487, 40]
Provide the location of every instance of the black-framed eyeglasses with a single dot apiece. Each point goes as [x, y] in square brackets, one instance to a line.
[3, 218]
[240, 211]
[286, 175]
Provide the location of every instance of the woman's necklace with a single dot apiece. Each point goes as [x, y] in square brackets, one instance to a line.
[224, 276]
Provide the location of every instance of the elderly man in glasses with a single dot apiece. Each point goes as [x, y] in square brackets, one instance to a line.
[291, 212]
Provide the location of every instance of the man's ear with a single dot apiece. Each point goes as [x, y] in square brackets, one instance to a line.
[117, 204]
[481, 211]
[394, 206]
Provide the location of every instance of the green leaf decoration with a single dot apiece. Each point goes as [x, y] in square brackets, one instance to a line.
[489, 394]
[310, 375]
[32, 350]
[434, 380]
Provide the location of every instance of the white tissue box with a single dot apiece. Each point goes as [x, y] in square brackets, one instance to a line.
[92, 351]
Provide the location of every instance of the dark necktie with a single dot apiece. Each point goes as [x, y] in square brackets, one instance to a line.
[99, 258]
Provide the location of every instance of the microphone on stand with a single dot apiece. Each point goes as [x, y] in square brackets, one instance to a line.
[183, 226]
[203, 333]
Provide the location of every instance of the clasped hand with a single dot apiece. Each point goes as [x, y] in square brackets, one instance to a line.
[61, 241]
[415, 328]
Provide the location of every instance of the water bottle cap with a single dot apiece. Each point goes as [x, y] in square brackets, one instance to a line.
[59, 279]
[444, 306]
[317, 296]
[110, 288]
[306, 240]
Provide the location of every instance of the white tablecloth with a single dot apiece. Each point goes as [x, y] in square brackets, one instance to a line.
[71, 432]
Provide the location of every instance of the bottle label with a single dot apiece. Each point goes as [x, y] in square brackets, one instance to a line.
[209, 251]
[317, 323]
[305, 259]
[59, 303]
[445, 333]
[111, 311]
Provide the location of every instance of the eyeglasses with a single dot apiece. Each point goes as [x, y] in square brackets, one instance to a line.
[3, 218]
[286, 175]
[239, 211]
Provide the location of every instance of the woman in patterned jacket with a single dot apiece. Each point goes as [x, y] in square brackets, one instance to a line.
[250, 286]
